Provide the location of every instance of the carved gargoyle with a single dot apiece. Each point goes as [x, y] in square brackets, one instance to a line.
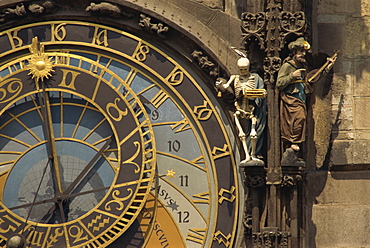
[205, 63]
[158, 28]
[106, 9]
[45, 7]
[10, 13]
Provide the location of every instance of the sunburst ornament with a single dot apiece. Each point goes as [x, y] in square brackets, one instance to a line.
[40, 65]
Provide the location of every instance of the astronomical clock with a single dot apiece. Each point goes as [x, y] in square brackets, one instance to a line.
[107, 140]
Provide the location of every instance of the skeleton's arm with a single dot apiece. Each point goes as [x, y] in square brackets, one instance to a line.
[222, 86]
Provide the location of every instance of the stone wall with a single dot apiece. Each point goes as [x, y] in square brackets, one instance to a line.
[338, 207]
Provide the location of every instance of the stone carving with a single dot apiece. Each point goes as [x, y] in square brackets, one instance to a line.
[20, 10]
[256, 181]
[158, 28]
[9, 13]
[291, 180]
[106, 9]
[271, 238]
[45, 7]
[253, 25]
[291, 23]
[247, 221]
[295, 84]
[250, 109]
[205, 63]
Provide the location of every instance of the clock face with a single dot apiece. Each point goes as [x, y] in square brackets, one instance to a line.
[107, 141]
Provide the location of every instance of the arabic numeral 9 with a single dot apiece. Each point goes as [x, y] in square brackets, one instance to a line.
[155, 115]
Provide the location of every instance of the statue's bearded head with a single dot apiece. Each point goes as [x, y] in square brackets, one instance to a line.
[243, 66]
[299, 55]
[299, 48]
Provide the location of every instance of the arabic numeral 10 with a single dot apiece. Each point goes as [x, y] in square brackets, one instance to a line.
[174, 145]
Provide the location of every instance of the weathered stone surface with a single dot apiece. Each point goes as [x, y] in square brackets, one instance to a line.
[361, 113]
[362, 76]
[338, 6]
[342, 88]
[351, 152]
[340, 209]
[342, 153]
[342, 117]
[356, 40]
[336, 226]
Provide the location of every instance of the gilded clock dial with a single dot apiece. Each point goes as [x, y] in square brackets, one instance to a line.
[166, 178]
[101, 175]
[75, 150]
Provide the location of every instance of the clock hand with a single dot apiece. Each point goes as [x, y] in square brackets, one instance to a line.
[66, 194]
[54, 199]
[87, 168]
[48, 126]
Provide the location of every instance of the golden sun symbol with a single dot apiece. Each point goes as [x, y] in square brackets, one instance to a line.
[40, 65]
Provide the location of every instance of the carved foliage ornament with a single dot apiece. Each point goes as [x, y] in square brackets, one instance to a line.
[271, 239]
[292, 22]
[253, 25]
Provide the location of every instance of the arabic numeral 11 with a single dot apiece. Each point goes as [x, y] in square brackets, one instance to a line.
[184, 180]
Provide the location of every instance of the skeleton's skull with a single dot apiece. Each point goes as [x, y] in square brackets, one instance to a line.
[243, 65]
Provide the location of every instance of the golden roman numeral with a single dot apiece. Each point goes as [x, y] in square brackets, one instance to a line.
[222, 238]
[203, 197]
[130, 77]
[71, 83]
[181, 125]
[176, 76]
[220, 152]
[196, 235]
[159, 98]
[230, 192]
[14, 67]
[62, 59]
[202, 112]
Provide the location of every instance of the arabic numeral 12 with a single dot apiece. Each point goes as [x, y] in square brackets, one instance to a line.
[183, 216]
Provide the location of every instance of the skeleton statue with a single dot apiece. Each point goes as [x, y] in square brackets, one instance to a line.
[250, 109]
